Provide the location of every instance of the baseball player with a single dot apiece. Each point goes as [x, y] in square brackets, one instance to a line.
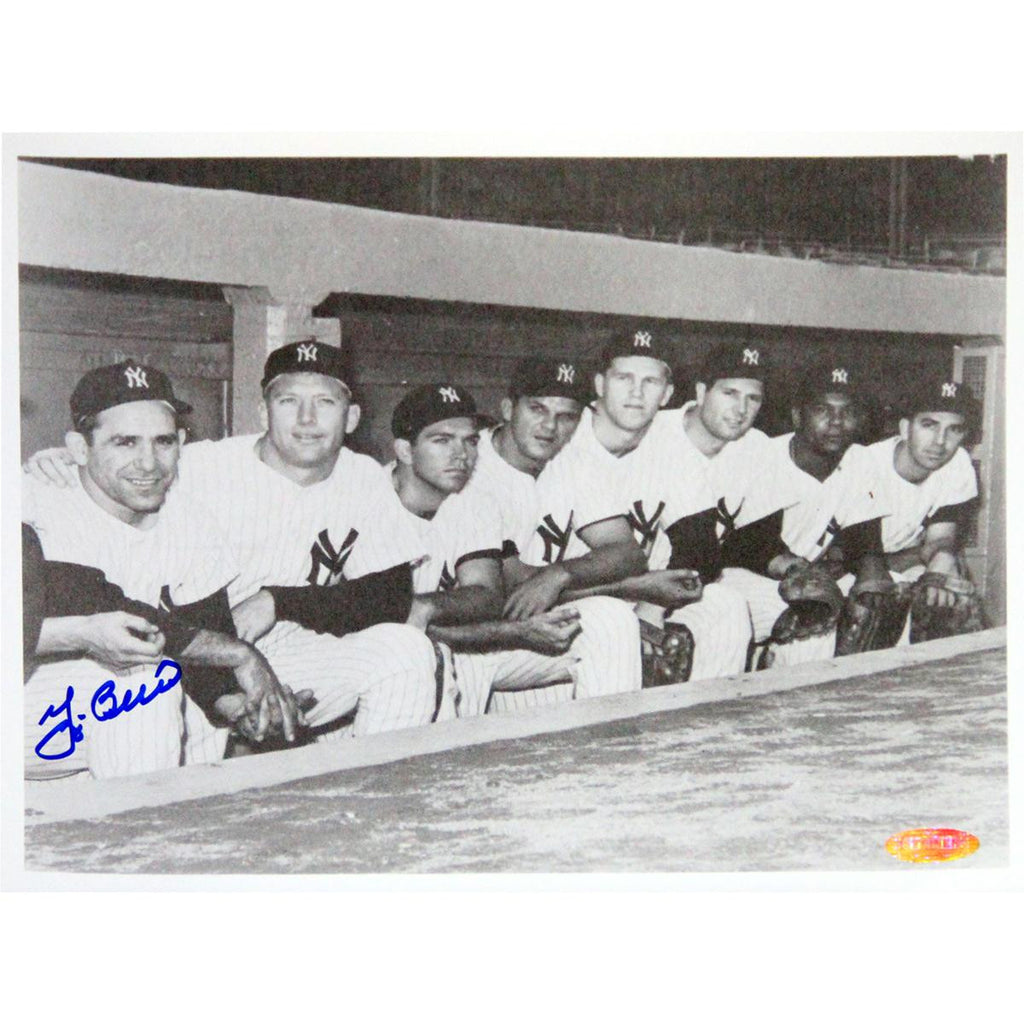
[126, 575]
[301, 513]
[640, 461]
[789, 513]
[538, 418]
[920, 485]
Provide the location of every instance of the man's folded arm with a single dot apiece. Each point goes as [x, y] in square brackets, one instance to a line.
[350, 605]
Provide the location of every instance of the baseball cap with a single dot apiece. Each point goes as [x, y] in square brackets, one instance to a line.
[123, 382]
[935, 394]
[641, 341]
[544, 377]
[836, 376]
[307, 356]
[728, 360]
[432, 403]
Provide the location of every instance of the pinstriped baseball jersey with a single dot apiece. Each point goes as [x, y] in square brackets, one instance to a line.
[730, 473]
[580, 486]
[283, 534]
[812, 508]
[512, 492]
[178, 559]
[343, 527]
[180, 551]
[467, 525]
[904, 508]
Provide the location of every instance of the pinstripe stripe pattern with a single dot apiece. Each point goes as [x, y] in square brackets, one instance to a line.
[180, 550]
[720, 624]
[283, 534]
[879, 491]
[604, 658]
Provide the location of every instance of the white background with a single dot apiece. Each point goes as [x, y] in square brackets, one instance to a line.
[645, 79]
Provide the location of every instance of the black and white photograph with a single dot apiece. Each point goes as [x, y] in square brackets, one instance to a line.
[510, 515]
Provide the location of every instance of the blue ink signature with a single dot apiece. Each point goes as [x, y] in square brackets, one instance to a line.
[104, 706]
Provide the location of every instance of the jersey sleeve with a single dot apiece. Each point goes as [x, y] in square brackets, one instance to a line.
[479, 528]
[386, 537]
[687, 490]
[959, 482]
[858, 490]
[571, 497]
[594, 496]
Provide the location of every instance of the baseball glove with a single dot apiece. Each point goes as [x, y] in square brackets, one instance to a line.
[667, 653]
[815, 603]
[960, 612]
[873, 616]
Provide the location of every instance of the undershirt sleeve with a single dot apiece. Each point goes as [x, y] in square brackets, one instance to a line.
[72, 589]
[695, 545]
[33, 605]
[864, 538]
[753, 546]
[350, 605]
[959, 513]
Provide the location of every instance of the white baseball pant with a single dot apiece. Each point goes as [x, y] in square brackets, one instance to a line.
[604, 658]
[386, 674]
[720, 624]
[765, 604]
[147, 738]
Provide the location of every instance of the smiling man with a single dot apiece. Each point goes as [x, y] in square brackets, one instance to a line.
[132, 574]
[301, 512]
[920, 485]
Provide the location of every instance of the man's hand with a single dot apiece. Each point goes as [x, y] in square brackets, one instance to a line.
[782, 565]
[550, 633]
[255, 616]
[120, 640]
[280, 710]
[253, 719]
[672, 588]
[537, 594]
[938, 596]
[53, 466]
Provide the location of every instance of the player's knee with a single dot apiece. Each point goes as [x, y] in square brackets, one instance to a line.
[401, 649]
[609, 620]
[724, 599]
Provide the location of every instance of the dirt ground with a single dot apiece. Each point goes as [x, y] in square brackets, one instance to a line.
[811, 779]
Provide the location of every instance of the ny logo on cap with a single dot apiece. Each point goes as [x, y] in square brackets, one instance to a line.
[307, 353]
[136, 377]
[949, 391]
[839, 376]
[642, 339]
[566, 372]
[449, 394]
[751, 356]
